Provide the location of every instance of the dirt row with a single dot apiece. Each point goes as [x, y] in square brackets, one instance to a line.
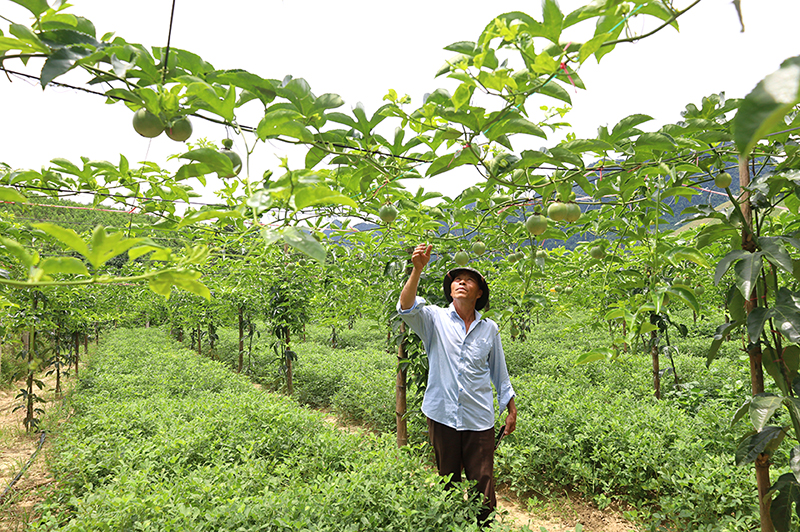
[17, 450]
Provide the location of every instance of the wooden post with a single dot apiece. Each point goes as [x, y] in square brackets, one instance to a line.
[289, 386]
[401, 403]
[656, 370]
[401, 381]
[77, 339]
[241, 339]
[57, 359]
[756, 369]
[211, 340]
[29, 379]
[199, 343]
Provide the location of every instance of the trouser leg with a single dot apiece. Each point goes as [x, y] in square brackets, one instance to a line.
[472, 451]
[478, 458]
[446, 443]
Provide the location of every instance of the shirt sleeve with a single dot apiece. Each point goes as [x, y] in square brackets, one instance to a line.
[499, 372]
[414, 317]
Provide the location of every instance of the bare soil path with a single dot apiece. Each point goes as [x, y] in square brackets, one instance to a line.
[17, 447]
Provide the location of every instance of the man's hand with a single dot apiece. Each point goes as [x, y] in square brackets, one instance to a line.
[421, 256]
[511, 419]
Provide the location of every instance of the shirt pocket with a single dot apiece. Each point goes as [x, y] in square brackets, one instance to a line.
[478, 353]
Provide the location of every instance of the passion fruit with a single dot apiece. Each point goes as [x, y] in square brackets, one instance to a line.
[147, 124]
[387, 213]
[536, 224]
[180, 130]
[557, 211]
[597, 252]
[236, 161]
[723, 180]
[572, 211]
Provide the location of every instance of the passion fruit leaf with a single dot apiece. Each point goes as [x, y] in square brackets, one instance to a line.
[200, 216]
[320, 195]
[62, 37]
[741, 411]
[11, 195]
[515, 124]
[328, 101]
[775, 253]
[138, 251]
[28, 40]
[725, 263]
[37, 7]
[762, 407]
[261, 88]
[719, 336]
[756, 320]
[746, 273]
[595, 355]
[221, 106]
[67, 265]
[755, 443]
[304, 242]
[780, 510]
[678, 254]
[216, 161]
[450, 161]
[786, 314]
[60, 62]
[162, 283]
[15, 248]
[273, 126]
[66, 236]
[766, 105]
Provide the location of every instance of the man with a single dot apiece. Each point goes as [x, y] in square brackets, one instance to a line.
[465, 357]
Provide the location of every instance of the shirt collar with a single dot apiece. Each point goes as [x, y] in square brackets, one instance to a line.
[452, 309]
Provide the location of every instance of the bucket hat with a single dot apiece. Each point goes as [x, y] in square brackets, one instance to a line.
[448, 280]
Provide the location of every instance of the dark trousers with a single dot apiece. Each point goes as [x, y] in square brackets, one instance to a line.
[472, 451]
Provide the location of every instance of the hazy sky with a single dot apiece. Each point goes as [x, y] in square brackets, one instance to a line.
[360, 49]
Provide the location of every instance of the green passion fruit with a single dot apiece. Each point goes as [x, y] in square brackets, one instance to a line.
[536, 224]
[147, 124]
[236, 161]
[180, 130]
[723, 180]
[387, 213]
[557, 211]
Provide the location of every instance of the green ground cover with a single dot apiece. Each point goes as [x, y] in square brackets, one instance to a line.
[162, 439]
[595, 429]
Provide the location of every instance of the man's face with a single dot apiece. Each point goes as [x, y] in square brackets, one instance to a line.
[465, 287]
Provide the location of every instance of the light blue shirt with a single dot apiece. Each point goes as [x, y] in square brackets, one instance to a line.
[461, 367]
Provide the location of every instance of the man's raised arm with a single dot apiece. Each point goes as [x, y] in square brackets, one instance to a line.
[419, 258]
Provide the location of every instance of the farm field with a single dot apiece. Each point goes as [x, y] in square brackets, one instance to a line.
[165, 438]
[212, 283]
